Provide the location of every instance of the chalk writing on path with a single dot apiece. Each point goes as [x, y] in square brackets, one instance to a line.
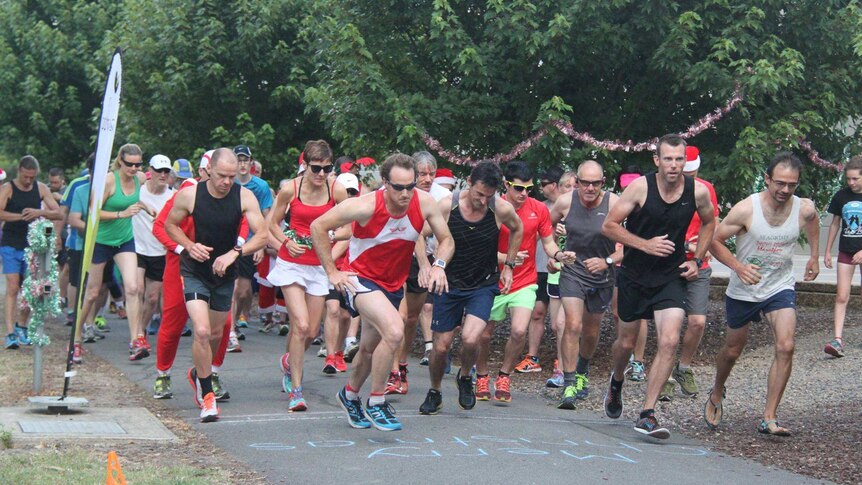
[484, 445]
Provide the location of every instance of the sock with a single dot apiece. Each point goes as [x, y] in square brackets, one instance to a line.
[683, 367]
[206, 384]
[481, 376]
[349, 341]
[352, 394]
[615, 384]
[534, 358]
[376, 399]
[501, 374]
[428, 345]
[402, 366]
[216, 369]
[647, 412]
[120, 304]
[583, 366]
[569, 378]
[166, 373]
[17, 325]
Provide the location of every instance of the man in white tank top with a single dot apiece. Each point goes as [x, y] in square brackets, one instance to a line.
[767, 226]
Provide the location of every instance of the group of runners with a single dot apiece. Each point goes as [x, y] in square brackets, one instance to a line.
[414, 254]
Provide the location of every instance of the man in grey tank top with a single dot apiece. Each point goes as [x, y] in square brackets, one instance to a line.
[587, 285]
[767, 226]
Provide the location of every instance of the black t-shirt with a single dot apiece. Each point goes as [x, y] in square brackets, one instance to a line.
[848, 206]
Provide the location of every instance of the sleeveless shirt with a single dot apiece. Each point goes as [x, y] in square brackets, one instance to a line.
[301, 217]
[15, 232]
[115, 232]
[216, 224]
[474, 264]
[770, 248]
[657, 218]
[584, 236]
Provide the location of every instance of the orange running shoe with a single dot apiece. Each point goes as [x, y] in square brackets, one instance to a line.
[482, 392]
[393, 385]
[501, 389]
[402, 370]
[529, 364]
[329, 365]
[209, 409]
[340, 364]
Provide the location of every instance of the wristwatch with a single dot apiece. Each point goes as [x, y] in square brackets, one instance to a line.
[440, 263]
[238, 249]
[609, 260]
[510, 264]
[698, 262]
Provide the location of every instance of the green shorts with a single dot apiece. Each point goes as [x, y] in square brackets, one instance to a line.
[523, 298]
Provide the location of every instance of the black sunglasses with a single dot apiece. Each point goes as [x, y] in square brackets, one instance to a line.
[163, 170]
[399, 187]
[318, 168]
[130, 165]
[352, 192]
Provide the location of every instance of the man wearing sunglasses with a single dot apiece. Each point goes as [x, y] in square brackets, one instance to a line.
[246, 266]
[657, 209]
[385, 227]
[155, 193]
[475, 217]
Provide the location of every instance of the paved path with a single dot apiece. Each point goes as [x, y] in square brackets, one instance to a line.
[528, 441]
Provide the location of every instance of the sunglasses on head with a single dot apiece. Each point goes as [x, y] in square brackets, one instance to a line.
[399, 187]
[519, 187]
[130, 165]
[162, 170]
[318, 168]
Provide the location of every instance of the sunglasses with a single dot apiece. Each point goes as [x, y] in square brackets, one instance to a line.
[163, 171]
[130, 165]
[519, 187]
[399, 187]
[591, 183]
[352, 192]
[318, 168]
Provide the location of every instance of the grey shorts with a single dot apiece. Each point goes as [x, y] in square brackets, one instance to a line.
[219, 297]
[697, 293]
[596, 300]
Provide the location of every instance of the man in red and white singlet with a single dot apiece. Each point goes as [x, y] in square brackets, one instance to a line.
[386, 225]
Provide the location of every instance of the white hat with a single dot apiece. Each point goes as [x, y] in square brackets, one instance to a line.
[348, 180]
[692, 159]
[205, 160]
[159, 162]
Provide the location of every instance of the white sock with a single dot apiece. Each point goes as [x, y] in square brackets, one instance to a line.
[349, 341]
[351, 396]
[684, 367]
[375, 400]
[429, 345]
[216, 368]
[166, 373]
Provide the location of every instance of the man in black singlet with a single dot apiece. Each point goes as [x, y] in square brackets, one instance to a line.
[207, 264]
[21, 202]
[474, 216]
[656, 209]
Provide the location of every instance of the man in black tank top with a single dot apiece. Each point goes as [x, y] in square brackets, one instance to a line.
[21, 202]
[657, 209]
[207, 265]
[474, 217]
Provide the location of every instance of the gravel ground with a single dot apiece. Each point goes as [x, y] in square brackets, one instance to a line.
[819, 404]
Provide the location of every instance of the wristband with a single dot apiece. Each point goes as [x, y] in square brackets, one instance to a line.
[555, 254]
[510, 264]
[118, 215]
[179, 249]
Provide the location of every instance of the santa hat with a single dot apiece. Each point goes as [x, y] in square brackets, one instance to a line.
[444, 176]
[692, 159]
[2, 174]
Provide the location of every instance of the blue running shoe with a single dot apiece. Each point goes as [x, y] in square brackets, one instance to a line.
[22, 335]
[286, 384]
[12, 341]
[354, 411]
[382, 417]
[556, 380]
[297, 402]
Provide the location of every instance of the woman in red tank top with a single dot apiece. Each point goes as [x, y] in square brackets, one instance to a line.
[297, 270]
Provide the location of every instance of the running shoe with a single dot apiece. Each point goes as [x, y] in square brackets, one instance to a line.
[355, 416]
[650, 427]
[239, 335]
[209, 408]
[154, 325]
[23, 339]
[70, 320]
[556, 380]
[78, 354]
[350, 351]
[340, 364]
[329, 366]
[286, 385]
[317, 340]
[433, 402]
[89, 334]
[529, 364]
[636, 371]
[426, 358]
[221, 392]
[112, 307]
[501, 389]
[393, 384]
[192, 375]
[283, 329]
[139, 350]
[267, 323]
[187, 332]
[322, 352]
[296, 401]
[482, 391]
[667, 391]
[382, 416]
[242, 322]
[569, 398]
[686, 381]
[121, 312]
[162, 388]
[101, 324]
[233, 343]
[466, 395]
[835, 348]
[582, 386]
[12, 341]
[402, 371]
[613, 400]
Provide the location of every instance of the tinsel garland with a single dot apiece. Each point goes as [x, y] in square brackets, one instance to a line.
[815, 157]
[40, 294]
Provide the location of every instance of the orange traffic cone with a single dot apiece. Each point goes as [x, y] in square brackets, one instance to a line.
[115, 472]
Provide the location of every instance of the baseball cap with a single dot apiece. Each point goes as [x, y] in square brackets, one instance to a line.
[692, 159]
[205, 159]
[444, 176]
[346, 166]
[183, 168]
[159, 162]
[242, 150]
[348, 180]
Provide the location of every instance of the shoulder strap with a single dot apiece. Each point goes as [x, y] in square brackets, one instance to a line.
[455, 197]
